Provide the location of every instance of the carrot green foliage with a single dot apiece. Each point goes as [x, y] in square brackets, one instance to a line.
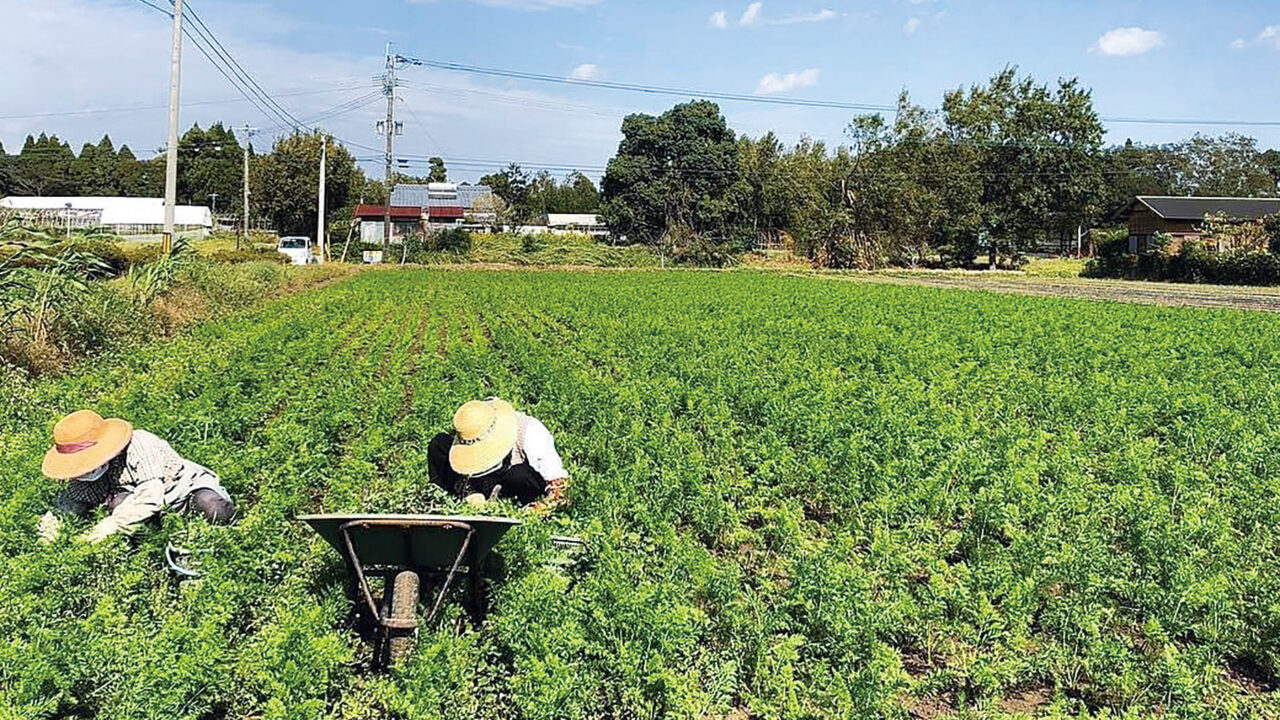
[801, 498]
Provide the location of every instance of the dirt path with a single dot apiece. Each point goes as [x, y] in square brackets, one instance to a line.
[1265, 299]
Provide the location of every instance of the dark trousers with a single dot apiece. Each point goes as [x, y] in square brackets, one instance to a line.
[215, 508]
[519, 482]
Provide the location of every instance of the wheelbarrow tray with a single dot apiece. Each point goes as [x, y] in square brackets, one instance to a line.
[420, 542]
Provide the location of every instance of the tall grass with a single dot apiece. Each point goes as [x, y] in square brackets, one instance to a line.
[60, 304]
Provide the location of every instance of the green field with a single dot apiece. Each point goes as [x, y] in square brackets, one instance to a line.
[802, 499]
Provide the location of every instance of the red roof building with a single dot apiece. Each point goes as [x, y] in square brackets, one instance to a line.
[398, 212]
[438, 213]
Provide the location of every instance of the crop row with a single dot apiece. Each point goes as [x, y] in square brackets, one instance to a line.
[801, 498]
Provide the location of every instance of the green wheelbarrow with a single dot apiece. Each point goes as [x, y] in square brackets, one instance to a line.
[403, 548]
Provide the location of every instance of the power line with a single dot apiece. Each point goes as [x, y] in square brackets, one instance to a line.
[227, 66]
[439, 145]
[648, 89]
[797, 102]
[235, 82]
[338, 110]
[242, 72]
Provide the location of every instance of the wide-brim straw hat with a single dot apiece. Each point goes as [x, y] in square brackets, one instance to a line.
[484, 433]
[83, 441]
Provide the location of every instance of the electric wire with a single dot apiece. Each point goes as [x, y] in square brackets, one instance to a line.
[792, 101]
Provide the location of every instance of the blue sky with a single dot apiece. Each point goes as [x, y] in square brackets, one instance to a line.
[1172, 59]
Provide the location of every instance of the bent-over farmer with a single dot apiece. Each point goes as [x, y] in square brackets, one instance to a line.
[493, 446]
[132, 473]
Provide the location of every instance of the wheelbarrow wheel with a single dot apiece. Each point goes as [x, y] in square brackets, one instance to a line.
[404, 604]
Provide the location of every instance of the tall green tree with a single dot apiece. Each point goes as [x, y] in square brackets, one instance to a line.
[768, 186]
[95, 169]
[137, 178]
[675, 175]
[8, 174]
[46, 166]
[575, 194]
[1226, 166]
[511, 184]
[211, 162]
[1038, 155]
[438, 172]
[284, 184]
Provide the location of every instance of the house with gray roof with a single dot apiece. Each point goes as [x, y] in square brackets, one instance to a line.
[1183, 218]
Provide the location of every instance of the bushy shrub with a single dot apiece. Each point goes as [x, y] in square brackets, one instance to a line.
[141, 254]
[71, 319]
[531, 242]
[113, 260]
[1192, 263]
[454, 240]
[1111, 243]
[692, 248]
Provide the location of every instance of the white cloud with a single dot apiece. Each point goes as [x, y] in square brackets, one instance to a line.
[586, 71]
[803, 17]
[752, 14]
[1128, 41]
[719, 20]
[1270, 35]
[912, 25]
[786, 82]
[56, 67]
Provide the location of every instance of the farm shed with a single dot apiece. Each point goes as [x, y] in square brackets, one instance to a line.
[118, 215]
[1183, 217]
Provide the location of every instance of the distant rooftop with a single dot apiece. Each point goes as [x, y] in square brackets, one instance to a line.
[1195, 208]
[438, 195]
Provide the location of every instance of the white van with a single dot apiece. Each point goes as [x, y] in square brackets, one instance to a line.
[298, 248]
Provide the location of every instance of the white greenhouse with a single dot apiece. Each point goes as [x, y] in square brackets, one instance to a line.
[117, 215]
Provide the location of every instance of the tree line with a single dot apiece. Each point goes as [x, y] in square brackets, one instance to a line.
[282, 181]
[1000, 169]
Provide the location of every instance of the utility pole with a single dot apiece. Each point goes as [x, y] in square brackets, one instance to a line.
[248, 139]
[320, 237]
[389, 130]
[214, 198]
[171, 159]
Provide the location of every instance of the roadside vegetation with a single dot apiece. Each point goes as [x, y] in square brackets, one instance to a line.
[1229, 253]
[63, 300]
[800, 498]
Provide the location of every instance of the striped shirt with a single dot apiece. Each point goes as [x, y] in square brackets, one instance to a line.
[153, 476]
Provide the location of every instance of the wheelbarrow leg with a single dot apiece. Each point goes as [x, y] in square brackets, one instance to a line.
[477, 586]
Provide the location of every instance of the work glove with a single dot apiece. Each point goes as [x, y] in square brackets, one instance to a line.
[48, 527]
[103, 530]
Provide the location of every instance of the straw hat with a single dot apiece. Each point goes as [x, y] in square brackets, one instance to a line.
[83, 441]
[484, 433]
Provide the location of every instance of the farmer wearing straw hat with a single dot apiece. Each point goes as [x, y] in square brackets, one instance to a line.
[494, 448]
[132, 473]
